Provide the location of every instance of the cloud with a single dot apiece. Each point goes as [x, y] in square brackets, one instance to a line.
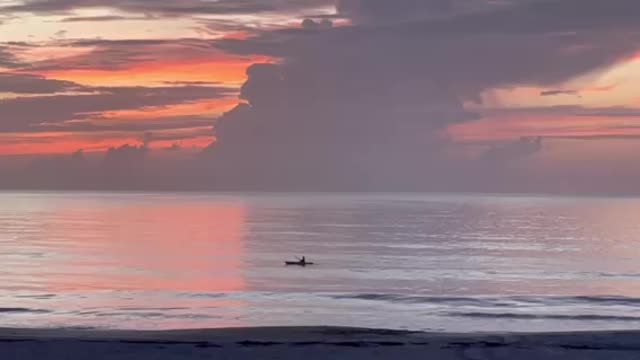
[366, 106]
[102, 18]
[143, 62]
[550, 122]
[174, 147]
[125, 157]
[559, 92]
[548, 16]
[54, 172]
[612, 112]
[541, 43]
[24, 114]
[118, 54]
[96, 124]
[165, 8]
[398, 10]
[342, 124]
[568, 110]
[19, 83]
[119, 168]
[310, 24]
[7, 57]
[513, 151]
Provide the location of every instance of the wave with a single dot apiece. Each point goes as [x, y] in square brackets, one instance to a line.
[203, 295]
[516, 316]
[151, 308]
[145, 315]
[37, 296]
[414, 299]
[619, 275]
[502, 301]
[610, 300]
[23, 310]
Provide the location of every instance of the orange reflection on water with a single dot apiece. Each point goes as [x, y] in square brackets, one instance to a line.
[160, 245]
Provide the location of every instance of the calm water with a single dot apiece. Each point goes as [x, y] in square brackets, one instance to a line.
[432, 262]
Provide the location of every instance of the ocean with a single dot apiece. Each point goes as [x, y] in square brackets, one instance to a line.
[434, 262]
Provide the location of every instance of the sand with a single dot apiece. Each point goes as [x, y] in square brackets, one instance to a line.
[310, 343]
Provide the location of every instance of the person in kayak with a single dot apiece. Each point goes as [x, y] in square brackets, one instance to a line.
[302, 261]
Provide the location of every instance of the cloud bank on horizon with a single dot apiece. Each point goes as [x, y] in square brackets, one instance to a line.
[447, 95]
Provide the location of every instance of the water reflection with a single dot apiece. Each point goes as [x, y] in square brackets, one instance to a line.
[106, 256]
[150, 260]
[173, 245]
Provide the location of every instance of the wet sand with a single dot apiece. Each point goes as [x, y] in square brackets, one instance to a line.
[311, 343]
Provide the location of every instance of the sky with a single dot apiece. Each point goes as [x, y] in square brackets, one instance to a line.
[299, 95]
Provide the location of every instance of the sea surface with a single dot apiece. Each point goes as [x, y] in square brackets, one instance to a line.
[404, 261]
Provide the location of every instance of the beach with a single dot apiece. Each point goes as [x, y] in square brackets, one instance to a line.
[311, 343]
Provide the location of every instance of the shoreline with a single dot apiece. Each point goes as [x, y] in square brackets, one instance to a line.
[311, 343]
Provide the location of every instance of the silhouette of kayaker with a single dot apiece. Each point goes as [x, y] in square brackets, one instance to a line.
[302, 261]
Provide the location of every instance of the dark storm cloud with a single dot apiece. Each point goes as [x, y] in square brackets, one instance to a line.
[538, 16]
[540, 43]
[384, 10]
[365, 106]
[333, 126]
[537, 43]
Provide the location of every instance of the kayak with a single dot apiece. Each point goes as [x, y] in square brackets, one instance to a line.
[298, 263]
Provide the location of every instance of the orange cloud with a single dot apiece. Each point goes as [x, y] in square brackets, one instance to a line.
[57, 143]
[68, 142]
[209, 107]
[230, 71]
[238, 35]
[601, 88]
[515, 125]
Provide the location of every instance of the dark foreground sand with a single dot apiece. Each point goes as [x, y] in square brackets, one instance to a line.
[309, 344]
